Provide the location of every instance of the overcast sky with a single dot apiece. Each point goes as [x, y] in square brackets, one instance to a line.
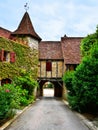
[52, 19]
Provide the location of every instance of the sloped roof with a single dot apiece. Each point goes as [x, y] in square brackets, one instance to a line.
[71, 49]
[4, 33]
[50, 50]
[26, 27]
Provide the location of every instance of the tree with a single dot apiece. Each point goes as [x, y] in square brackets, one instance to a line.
[88, 42]
[67, 78]
[84, 82]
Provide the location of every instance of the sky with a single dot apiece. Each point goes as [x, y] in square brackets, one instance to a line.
[52, 19]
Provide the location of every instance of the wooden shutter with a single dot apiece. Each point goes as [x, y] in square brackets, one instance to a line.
[48, 66]
[1, 55]
[12, 57]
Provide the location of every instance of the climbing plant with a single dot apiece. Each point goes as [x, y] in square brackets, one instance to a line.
[26, 59]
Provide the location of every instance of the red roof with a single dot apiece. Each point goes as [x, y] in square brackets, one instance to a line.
[4, 33]
[50, 50]
[71, 49]
[26, 28]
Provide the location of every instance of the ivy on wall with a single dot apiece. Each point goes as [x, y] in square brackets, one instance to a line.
[26, 59]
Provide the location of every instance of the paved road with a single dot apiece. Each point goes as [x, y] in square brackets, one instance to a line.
[48, 114]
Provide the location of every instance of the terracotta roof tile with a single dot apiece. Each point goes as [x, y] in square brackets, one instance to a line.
[71, 49]
[50, 50]
[26, 27]
[4, 33]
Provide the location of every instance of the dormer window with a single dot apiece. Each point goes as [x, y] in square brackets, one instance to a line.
[7, 56]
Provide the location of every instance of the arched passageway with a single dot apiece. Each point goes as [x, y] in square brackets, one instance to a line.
[48, 89]
[58, 88]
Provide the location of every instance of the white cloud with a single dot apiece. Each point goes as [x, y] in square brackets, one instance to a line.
[52, 29]
[52, 19]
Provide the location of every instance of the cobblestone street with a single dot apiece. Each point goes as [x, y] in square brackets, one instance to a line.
[48, 114]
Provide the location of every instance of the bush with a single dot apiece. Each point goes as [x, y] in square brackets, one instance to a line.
[23, 96]
[26, 82]
[83, 85]
[86, 81]
[8, 101]
[67, 78]
[13, 96]
[26, 87]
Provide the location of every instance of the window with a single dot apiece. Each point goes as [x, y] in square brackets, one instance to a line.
[48, 66]
[71, 66]
[7, 56]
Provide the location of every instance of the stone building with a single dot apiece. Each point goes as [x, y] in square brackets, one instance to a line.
[55, 57]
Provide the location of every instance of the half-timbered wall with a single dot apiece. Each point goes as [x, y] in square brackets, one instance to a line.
[56, 71]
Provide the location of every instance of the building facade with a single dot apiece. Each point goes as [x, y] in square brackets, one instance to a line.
[55, 57]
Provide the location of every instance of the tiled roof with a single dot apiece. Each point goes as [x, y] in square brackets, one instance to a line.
[71, 49]
[4, 33]
[25, 27]
[50, 50]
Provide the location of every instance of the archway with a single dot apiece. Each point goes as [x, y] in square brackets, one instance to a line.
[6, 81]
[58, 87]
[48, 89]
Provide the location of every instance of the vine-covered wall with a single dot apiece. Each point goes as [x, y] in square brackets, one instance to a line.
[26, 59]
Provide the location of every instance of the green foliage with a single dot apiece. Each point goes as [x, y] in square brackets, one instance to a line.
[26, 82]
[8, 101]
[26, 59]
[88, 42]
[83, 84]
[22, 96]
[50, 85]
[19, 93]
[67, 78]
[24, 73]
